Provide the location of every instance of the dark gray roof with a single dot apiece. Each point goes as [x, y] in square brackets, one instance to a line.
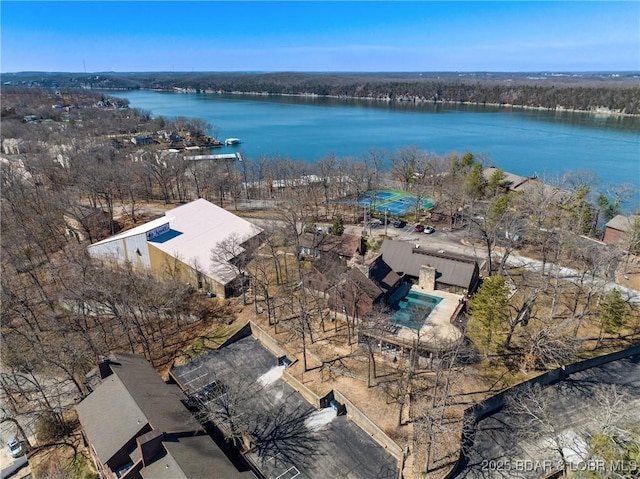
[339, 449]
[575, 413]
[160, 402]
[455, 270]
[135, 397]
[110, 417]
[126, 401]
[192, 457]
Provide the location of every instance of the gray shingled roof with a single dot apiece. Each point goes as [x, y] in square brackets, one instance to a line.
[159, 401]
[110, 417]
[622, 223]
[455, 270]
[132, 398]
[192, 457]
[127, 400]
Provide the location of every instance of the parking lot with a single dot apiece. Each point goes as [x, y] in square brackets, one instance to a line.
[298, 441]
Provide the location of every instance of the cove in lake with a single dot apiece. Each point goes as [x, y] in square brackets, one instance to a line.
[521, 141]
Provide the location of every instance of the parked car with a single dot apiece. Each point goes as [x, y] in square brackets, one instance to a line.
[399, 224]
[418, 228]
[15, 447]
[429, 230]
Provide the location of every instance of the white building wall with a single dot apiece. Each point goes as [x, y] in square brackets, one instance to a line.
[123, 250]
[138, 251]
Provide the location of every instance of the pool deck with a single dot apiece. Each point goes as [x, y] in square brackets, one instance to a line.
[437, 328]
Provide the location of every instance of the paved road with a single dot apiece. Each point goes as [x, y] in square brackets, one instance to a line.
[62, 394]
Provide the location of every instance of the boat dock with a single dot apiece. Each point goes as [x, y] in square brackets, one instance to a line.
[225, 156]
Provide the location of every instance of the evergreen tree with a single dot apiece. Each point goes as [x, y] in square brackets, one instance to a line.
[489, 317]
[613, 311]
[608, 208]
[497, 181]
[337, 227]
[474, 183]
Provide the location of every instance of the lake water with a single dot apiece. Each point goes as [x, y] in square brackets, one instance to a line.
[525, 142]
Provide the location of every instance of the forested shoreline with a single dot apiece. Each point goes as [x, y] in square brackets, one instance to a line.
[609, 93]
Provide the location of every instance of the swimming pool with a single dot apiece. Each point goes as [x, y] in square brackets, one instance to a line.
[412, 310]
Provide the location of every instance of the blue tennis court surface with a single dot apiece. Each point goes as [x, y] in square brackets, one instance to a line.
[396, 203]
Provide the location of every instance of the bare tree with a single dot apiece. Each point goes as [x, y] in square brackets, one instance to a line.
[230, 257]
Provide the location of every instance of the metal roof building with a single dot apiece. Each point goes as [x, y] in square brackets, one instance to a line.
[184, 239]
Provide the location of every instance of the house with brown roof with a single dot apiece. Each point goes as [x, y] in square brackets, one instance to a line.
[511, 181]
[449, 272]
[617, 230]
[138, 427]
[350, 290]
[345, 246]
[533, 187]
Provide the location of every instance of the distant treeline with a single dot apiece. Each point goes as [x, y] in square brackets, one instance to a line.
[619, 93]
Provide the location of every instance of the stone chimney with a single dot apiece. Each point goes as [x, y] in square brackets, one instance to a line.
[150, 445]
[427, 278]
[104, 367]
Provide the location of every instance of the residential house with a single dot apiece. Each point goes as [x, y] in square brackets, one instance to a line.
[448, 272]
[142, 140]
[349, 290]
[199, 243]
[511, 182]
[383, 276]
[138, 427]
[345, 246]
[617, 230]
[532, 187]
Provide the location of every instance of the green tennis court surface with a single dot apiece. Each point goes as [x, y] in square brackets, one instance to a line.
[396, 203]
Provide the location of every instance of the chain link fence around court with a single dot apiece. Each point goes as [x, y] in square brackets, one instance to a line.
[394, 203]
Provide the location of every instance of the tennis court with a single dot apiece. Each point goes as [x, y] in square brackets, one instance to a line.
[396, 203]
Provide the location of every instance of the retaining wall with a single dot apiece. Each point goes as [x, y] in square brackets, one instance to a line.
[306, 393]
[266, 340]
[370, 428]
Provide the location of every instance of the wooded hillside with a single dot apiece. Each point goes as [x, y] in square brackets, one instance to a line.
[618, 93]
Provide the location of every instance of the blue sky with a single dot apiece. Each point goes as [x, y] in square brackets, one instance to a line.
[320, 36]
